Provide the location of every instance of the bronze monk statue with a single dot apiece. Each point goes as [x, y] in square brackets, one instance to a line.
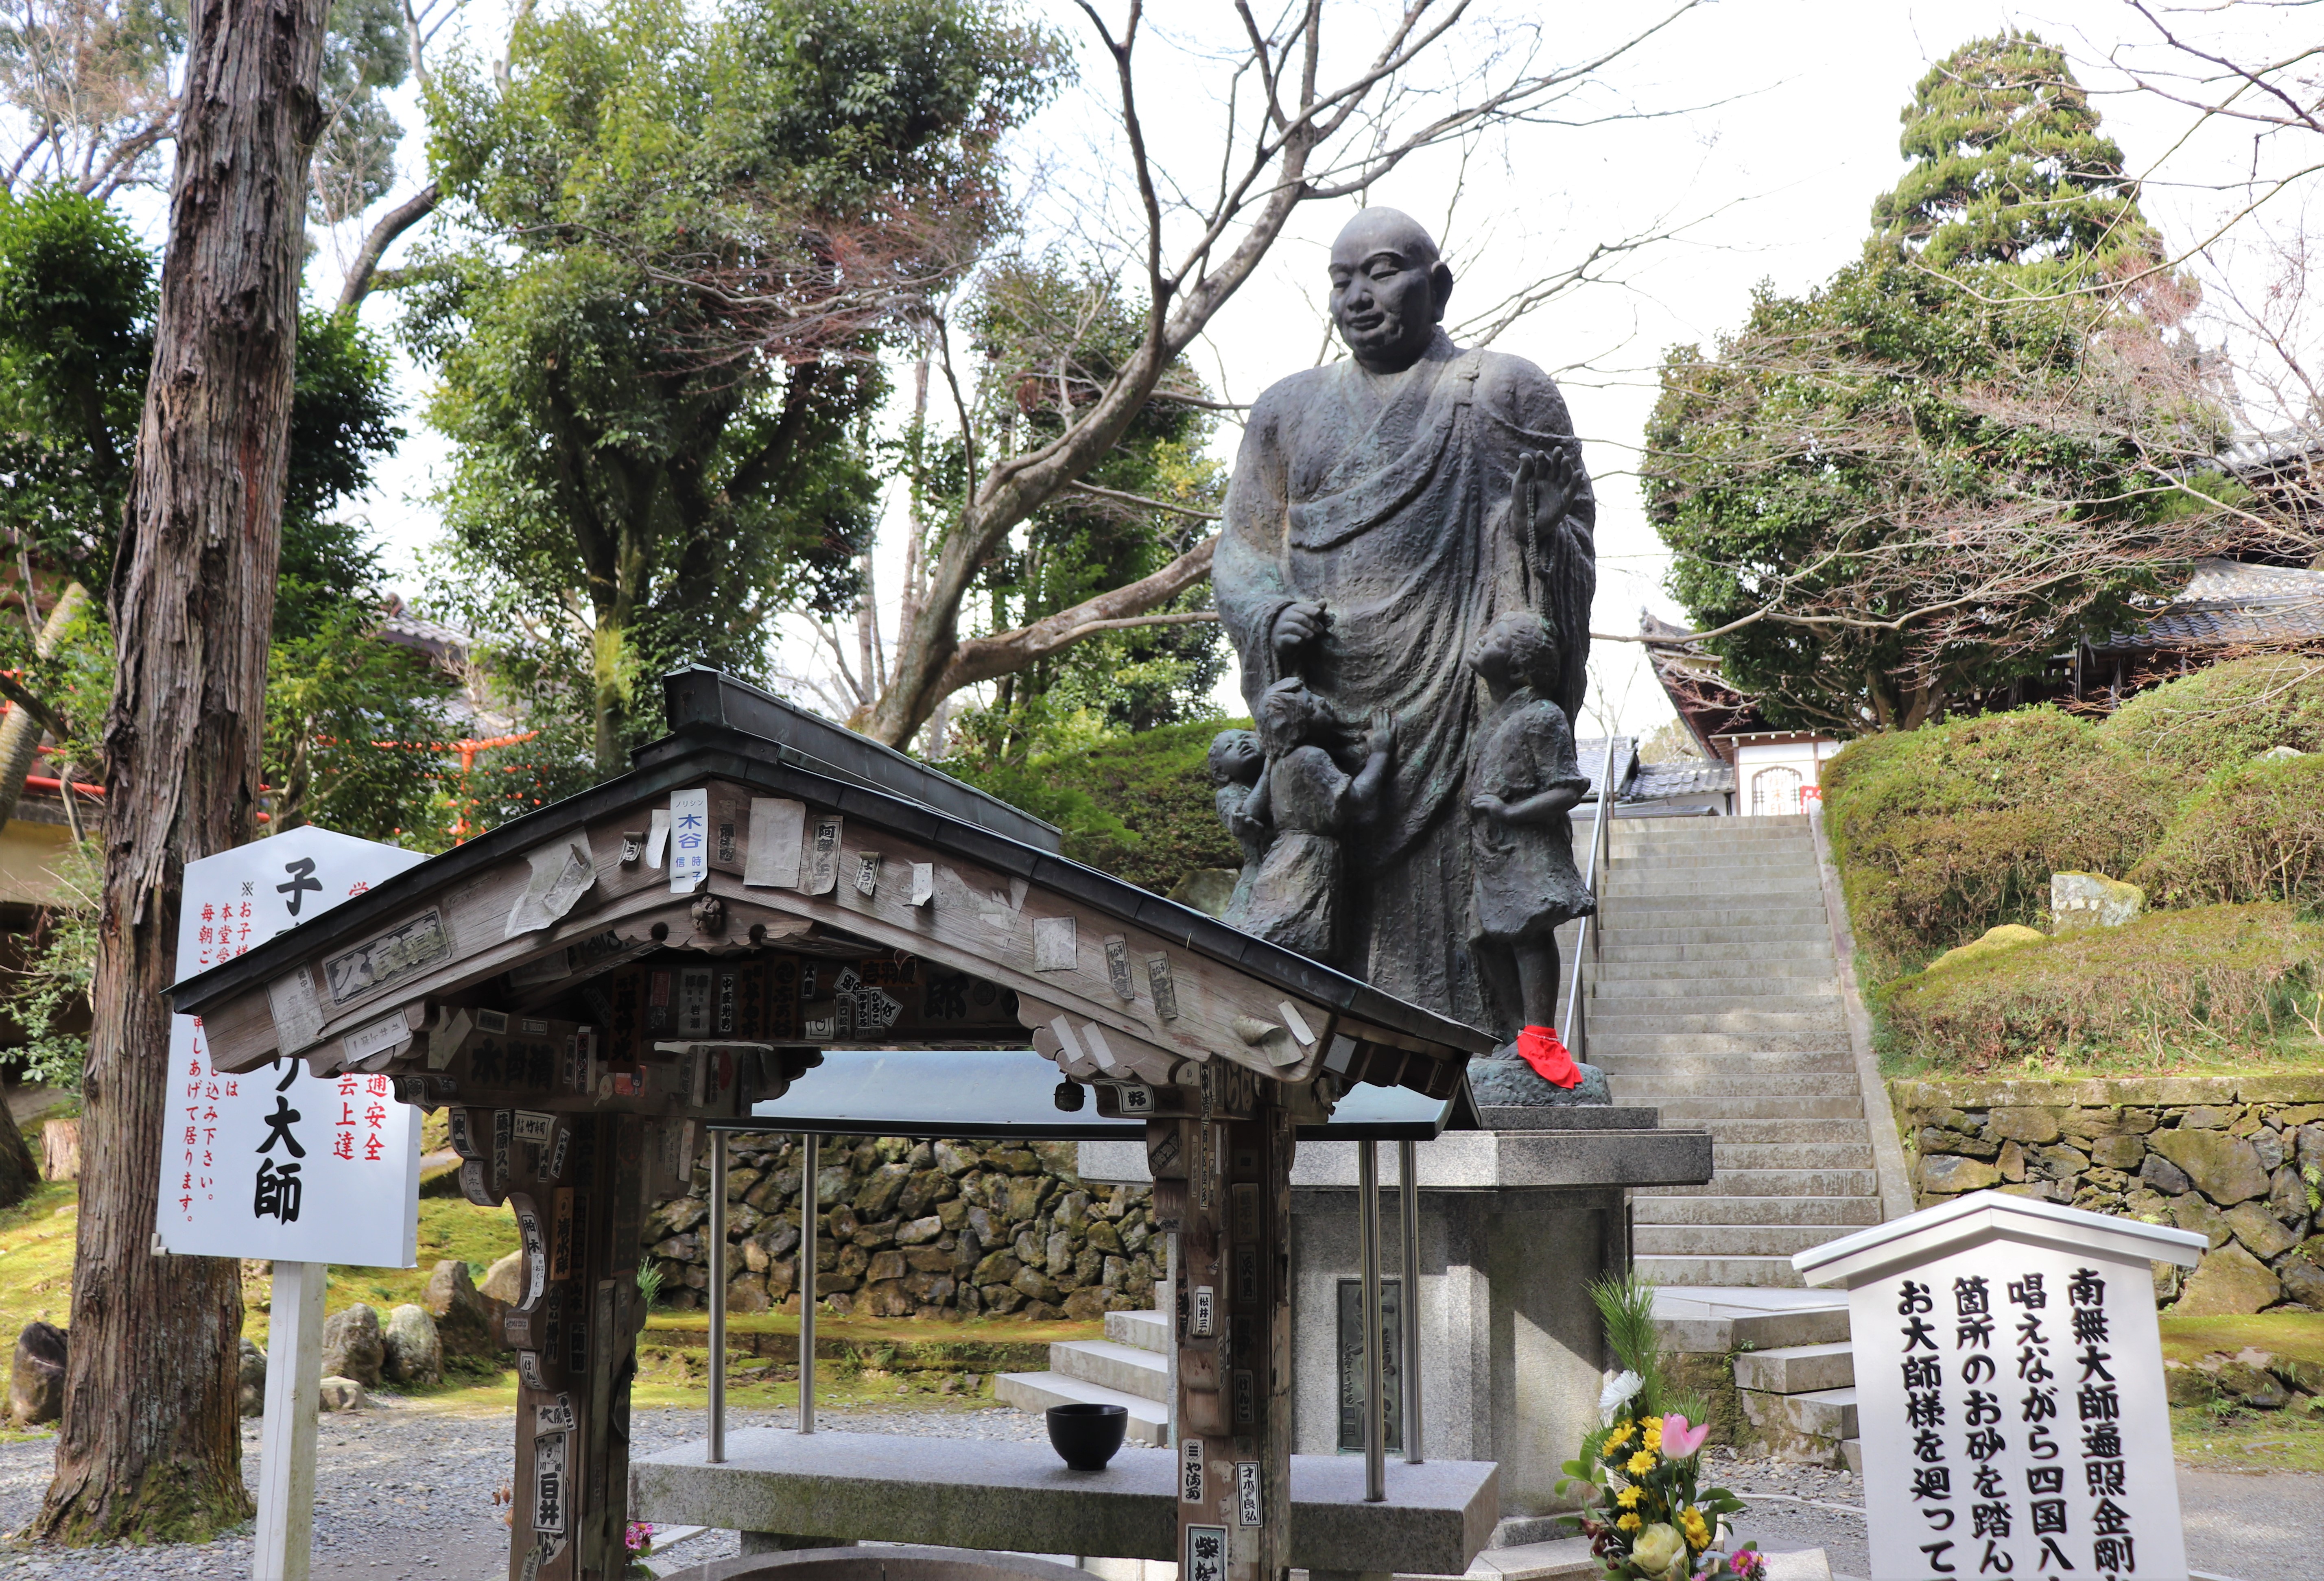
[1386, 511]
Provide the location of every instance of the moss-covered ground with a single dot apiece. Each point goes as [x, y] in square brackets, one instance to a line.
[2230, 1438]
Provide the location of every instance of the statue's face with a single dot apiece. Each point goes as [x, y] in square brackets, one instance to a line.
[1388, 292]
[1237, 759]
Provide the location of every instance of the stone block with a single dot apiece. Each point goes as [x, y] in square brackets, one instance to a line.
[2231, 1282]
[2282, 1087]
[2085, 1123]
[1935, 1142]
[1025, 1196]
[957, 1159]
[1946, 1175]
[2012, 1161]
[876, 1197]
[36, 1375]
[464, 1325]
[2302, 1281]
[2063, 1162]
[352, 1346]
[2120, 1153]
[342, 1394]
[919, 1232]
[929, 1260]
[2036, 1126]
[1034, 1286]
[2287, 1197]
[2204, 1117]
[2164, 1176]
[883, 1267]
[2223, 1168]
[886, 1298]
[872, 1237]
[749, 1294]
[2184, 1386]
[2252, 1385]
[2272, 1147]
[997, 1268]
[414, 1356]
[2191, 1213]
[2258, 1230]
[2092, 900]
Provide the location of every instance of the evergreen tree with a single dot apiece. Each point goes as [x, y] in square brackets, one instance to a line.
[2009, 166]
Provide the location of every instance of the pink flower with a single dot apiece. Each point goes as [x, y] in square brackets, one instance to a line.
[1680, 1440]
[1746, 1563]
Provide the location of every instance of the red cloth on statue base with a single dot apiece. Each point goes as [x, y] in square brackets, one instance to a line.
[1545, 1051]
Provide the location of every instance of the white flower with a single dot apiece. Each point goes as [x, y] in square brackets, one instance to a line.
[1619, 1390]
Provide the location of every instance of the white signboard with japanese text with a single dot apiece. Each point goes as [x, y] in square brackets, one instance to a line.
[276, 1163]
[2009, 1394]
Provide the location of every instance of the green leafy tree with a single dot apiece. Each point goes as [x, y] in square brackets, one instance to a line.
[1051, 339]
[680, 242]
[2010, 166]
[1906, 490]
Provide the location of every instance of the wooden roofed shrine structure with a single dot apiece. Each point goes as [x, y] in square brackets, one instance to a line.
[590, 986]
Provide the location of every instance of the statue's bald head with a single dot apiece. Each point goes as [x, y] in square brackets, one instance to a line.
[1374, 229]
[1388, 289]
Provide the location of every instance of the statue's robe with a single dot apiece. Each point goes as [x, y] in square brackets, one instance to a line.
[1387, 498]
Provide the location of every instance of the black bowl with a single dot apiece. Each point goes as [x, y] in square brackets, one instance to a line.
[1085, 1436]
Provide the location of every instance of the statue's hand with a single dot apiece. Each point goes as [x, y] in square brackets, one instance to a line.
[1547, 484]
[1297, 626]
[1491, 807]
[1383, 734]
[1243, 826]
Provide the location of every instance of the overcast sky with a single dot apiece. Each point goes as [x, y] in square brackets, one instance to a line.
[1776, 127]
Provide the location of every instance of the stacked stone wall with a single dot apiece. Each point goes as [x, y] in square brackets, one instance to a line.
[2238, 1160]
[914, 1229]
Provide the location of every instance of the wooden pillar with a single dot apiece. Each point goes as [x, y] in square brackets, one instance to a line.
[578, 1197]
[1226, 1172]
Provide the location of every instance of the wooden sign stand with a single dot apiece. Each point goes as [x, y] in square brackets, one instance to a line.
[285, 1537]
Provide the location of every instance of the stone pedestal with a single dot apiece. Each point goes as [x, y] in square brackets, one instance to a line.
[1514, 1221]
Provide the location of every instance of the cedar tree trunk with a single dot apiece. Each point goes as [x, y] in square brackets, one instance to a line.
[149, 1447]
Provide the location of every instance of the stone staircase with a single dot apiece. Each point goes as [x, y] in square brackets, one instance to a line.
[1130, 1367]
[1716, 999]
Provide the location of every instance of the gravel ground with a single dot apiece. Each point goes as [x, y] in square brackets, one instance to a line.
[2244, 1526]
[406, 1494]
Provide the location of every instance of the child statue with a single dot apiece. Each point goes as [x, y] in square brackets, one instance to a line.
[1310, 801]
[1236, 763]
[1523, 783]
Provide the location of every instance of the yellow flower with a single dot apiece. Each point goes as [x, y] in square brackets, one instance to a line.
[1698, 1535]
[1628, 1498]
[1631, 1521]
[1618, 1436]
[1640, 1464]
[1654, 1440]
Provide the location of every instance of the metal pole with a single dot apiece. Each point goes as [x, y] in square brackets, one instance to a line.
[1577, 1035]
[1375, 1411]
[1407, 1192]
[812, 1158]
[717, 1297]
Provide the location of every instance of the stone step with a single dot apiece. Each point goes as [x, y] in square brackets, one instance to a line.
[1644, 1015]
[1627, 994]
[1797, 1369]
[1799, 1073]
[1780, 888]
[1741, 1100]
[1803, 1180]
[1734, 866]
[1727, 1156]
[1824, 1413]
[1813, 944]
[1692, 915]
[1665, 933]
[1746, 1272]
[1706, 830]
[1730, 1240]
[1115, 1365]
[1851, 1455]
[1739, 968]
[1148, 1331]
[1149, 1420]
[1837, 1213]
[1715, 1045]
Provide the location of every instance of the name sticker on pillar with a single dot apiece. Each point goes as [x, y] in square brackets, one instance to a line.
[1205, 1304]
[1189, 1471]
[1246, 1212]
[689, 840]
[1207, 1553]
[1166, 992]
[555, 1418]
[1116, 967]
[1246, 1403]
[549, 1482]
[1135, 1096]
[1247, 1508]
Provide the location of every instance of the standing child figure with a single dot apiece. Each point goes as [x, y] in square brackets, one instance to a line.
[1523, 783]
[1310, 801]
[1236, 762]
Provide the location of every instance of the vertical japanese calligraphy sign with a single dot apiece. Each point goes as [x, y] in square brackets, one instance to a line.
[2009, 1391]
[276, 1163]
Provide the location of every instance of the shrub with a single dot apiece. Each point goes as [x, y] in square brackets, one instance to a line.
[2226, 715]
[2252, 832]
[1139, 807]
[2212, 973]
[1943, 832]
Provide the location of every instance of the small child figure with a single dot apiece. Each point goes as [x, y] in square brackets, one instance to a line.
[1523, 781]
[1236, 763]
[1311, 801]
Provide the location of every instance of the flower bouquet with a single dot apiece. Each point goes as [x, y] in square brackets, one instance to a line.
[1646, 1511]
[637, 1542]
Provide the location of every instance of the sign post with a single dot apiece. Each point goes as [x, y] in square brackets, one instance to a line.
[2009, 1391]
[279, 1164]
